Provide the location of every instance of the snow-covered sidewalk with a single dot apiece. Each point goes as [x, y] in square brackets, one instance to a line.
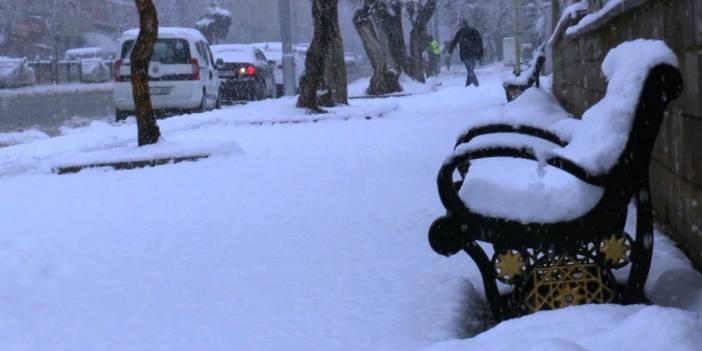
[302, 237]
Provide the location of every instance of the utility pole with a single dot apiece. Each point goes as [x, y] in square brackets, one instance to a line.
[437, 32]
[286, 38]
[517, 45]
[180, 5]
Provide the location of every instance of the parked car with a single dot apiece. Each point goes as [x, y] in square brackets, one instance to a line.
[182, 73]
[92, 62]
[274, 52]
[245, 71]
[15, 72]
[351, 61]
[78, 54]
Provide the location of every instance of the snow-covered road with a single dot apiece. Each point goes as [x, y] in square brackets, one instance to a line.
[298, 237]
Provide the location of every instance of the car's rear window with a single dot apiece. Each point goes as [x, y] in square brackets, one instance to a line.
[168, 51]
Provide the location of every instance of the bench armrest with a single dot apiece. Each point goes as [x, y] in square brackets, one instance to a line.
[448, 191]
[509, 128]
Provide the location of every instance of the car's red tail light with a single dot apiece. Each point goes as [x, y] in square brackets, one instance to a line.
[250, 70]
[196, 69]
[118, 66]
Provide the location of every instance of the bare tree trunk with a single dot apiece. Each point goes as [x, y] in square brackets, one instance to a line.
[325, 54]
[385, 79]
[335, 79]
[148, 131]
[420, 14]
[390, 19]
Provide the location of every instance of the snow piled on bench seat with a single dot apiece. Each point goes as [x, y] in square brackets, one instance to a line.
[513, 189]
[603, 134]
[518, 189]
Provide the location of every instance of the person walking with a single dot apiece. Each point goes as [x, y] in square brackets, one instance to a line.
[471, 44]
[435, 56]
[447, 56]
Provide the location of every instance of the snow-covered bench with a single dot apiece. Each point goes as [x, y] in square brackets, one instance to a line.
[553, 201]
[516, 85]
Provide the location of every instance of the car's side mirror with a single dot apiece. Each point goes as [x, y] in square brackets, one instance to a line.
[219, 64]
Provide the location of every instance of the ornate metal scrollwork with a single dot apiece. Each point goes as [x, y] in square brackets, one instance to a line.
[560, 281]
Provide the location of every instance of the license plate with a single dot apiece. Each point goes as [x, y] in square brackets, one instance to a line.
[160, 90]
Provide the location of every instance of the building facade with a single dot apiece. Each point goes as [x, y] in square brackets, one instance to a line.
[46, 28]
[676, 170]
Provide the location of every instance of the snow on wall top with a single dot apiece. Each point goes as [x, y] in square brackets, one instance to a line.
[601, 139]
[591, 18]
[168, 32]
[569, 12]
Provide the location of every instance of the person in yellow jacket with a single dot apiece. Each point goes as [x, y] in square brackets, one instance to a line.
[434, 67]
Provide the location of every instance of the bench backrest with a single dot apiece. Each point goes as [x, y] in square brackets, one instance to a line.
[643, 79]
[663, 85]
[539, 65]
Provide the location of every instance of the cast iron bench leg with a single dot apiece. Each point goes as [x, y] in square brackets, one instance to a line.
[642, 252]
[489, 279]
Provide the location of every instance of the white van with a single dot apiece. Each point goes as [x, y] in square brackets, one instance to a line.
[182, 73]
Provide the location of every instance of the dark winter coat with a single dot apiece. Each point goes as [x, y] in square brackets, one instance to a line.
[470, 41]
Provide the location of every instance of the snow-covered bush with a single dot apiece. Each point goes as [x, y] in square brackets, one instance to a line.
[215, 24]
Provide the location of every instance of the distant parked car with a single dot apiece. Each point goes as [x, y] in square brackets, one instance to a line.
[182, 73]
[245, 72]
[15, 72]
[93, 64]
[84, 53]
[351, 61]
[274, 52]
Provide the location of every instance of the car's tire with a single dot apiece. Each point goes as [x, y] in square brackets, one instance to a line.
[121, 115]
[259, 90]
[218, 103]
[251, 92]
[203, 102]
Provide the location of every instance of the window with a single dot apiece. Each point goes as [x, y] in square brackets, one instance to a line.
[209, 54]
[201, 52]
[166, 51]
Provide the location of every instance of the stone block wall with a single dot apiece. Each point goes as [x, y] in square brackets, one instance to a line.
[578, 83]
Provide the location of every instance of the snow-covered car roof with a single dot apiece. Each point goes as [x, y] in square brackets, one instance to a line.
[191, 34]
[84, 51]
[5, 59]
[78, 53]
[269, 46]
[235, 52]
[350, 57]
[303, 47]
[273, 50]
